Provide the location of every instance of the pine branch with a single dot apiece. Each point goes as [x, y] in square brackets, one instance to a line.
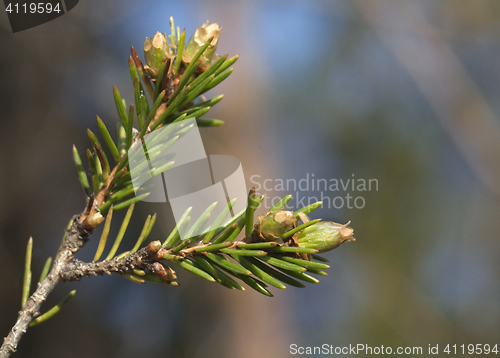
[111, 186]
[275, 251]
[75, 269]
[75, 238]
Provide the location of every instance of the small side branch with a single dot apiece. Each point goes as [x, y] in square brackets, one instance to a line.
[145, 258]
[76, 269]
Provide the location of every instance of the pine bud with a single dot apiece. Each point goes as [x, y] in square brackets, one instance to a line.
[325, 236]
[155, 50]
[201, 35]
[275, 223]
[93, 220]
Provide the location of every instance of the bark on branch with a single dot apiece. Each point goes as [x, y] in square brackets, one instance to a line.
[75, 239]
[67, 268]
[145, 258]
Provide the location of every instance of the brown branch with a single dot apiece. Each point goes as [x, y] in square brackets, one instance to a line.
[67, 268]
[145, 258]
[75, 239]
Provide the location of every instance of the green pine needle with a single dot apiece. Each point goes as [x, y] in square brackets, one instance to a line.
[81, 171]
[229, 62]
[281, 203]
[121, 233]
[222, 261]
[127, 203]
[214, 247]
[307, 209]
[225, 235]
[184, 243]
[200, 224]
[50, 313]
[209, 72]
[204, 122]
[120, 107]
[180, 50]
[174, 236]
[239, 227]
[142, 73]
[45, 270]
[27, 272]
[218, 79]
[258, 245]
[108, 140]
[240, 252]
[300, 276]
[301, 250]
[280, 263]
[130, 126]
[133, 277]
[251, 207]
[299, 228]
[258, 272]
[121, 140]
[159, 78]
[192, 267]
[305, 263]
[220, 277]
[104, 235]
[218, 222]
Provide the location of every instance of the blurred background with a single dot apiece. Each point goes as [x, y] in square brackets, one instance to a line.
[405, 92]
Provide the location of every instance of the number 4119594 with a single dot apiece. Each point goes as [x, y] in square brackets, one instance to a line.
[471, 349]
[32, 8]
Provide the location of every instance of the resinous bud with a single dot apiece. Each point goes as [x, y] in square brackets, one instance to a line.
[199, 38]
[93, 220]
[325, 236]
[275, 223]
[155, 50]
